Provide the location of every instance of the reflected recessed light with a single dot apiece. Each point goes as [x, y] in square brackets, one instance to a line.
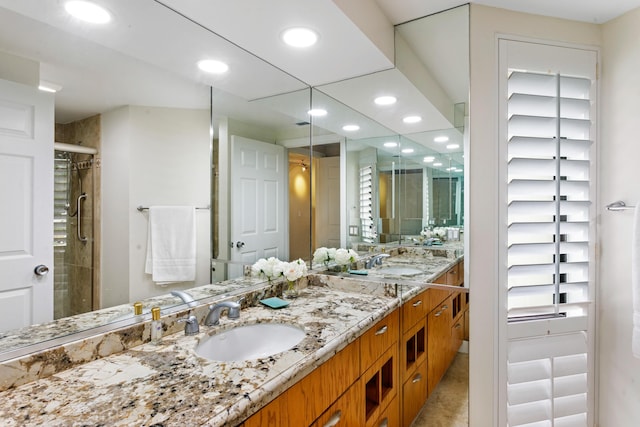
[49, 87]
[437, 164]
[385, 100]
[390, 144]
[450, 169]
[213, 66]
[350, 128]
[407, 150]
[428, 159]
[412, 119]
[317, 112]
[453, 146]
[457, 170]
[300, 37]
[88, 12]
[441, 138]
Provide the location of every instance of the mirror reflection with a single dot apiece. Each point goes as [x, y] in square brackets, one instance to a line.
[151, 132]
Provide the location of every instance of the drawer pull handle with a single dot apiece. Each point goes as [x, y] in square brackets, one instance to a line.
[458, 326]
[417, 303]
[384, 423]
[444, 307]
[382, 330]
[335, 419]
[417, 378]
[438, 313]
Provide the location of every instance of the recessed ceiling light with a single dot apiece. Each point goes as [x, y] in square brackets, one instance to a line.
[449, 169]
[317, 112]
[437, 164]
[442, 138]
[412, 119]
[428, 159]
[350, 128]
[49, 87]
[457, 170]
[453, 146]
[390, 144]
[300, 37]
[385, 100]
[407, 150]
[213, 66]
[88, 12]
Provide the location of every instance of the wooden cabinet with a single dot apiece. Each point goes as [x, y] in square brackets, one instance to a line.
[348, 410]
[380, 385]
[413, 349]
[377, 339]
[438, 343]
[415, 309]
[414, 392]
[269, 416]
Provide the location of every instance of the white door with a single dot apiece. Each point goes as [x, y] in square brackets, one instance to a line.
[26, 205]
[259, 200]
[327, 221]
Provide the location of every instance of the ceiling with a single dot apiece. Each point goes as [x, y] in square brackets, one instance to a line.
[147, 55]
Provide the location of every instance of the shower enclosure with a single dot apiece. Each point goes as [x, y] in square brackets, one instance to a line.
[73, 244]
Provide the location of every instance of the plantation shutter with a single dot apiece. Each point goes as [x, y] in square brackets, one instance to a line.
[366, 204]
[548, 133]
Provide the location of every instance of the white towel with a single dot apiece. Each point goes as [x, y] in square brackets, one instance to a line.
[171, 244]
[635, 281]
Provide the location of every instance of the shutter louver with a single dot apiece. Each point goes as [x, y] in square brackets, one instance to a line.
[548, 129]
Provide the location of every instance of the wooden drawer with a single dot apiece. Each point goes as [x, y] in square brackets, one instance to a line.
[348, 410]
[390, 417]
[437, 297]
[415, 310]
[269, 416]
[311, 396]
[414, 391]
[377, 339]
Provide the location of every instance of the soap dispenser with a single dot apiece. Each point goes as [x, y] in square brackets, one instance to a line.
[156, 326]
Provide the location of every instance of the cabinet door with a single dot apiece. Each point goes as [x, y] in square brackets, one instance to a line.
[438, 343]
[390, 417]
[380, 385]
[347, 411]
[413, 349]
[414, 391]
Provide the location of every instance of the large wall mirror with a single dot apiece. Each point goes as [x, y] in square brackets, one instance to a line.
[144, 126]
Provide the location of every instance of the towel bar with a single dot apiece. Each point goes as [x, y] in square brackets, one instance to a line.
[144, 208]
[619, 206]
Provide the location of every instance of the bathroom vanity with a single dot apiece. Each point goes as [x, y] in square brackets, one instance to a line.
[374, 348]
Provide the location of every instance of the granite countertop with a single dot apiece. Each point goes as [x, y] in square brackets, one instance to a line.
[169, 384]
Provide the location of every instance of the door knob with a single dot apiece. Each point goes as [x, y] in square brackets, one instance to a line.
[239, 244]
[41, 270]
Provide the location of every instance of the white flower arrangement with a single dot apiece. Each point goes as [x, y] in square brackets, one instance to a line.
[340, 256]
[294, 270]
[440, 232]
[269, 268]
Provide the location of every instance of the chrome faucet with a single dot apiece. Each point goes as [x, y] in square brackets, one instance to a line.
[375, 260]
[190, 325]
[213, 318]
[185, 297]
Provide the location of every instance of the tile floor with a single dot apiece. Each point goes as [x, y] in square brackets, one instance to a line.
[448, 405]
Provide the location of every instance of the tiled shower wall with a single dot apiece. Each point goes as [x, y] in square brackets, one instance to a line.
[81, 261]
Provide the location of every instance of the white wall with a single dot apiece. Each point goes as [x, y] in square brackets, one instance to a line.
[482, 222]
[619, 177]
[164, 153]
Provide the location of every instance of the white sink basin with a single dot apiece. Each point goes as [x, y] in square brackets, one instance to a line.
[250, 342]
[400, 271]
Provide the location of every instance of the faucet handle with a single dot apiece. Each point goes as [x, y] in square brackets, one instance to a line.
[234, 309]
[191, 326]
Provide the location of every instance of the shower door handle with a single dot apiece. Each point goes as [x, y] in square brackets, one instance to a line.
[81, 197]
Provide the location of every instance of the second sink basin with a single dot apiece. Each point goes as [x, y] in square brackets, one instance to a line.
[250, 342]
[399, 271]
